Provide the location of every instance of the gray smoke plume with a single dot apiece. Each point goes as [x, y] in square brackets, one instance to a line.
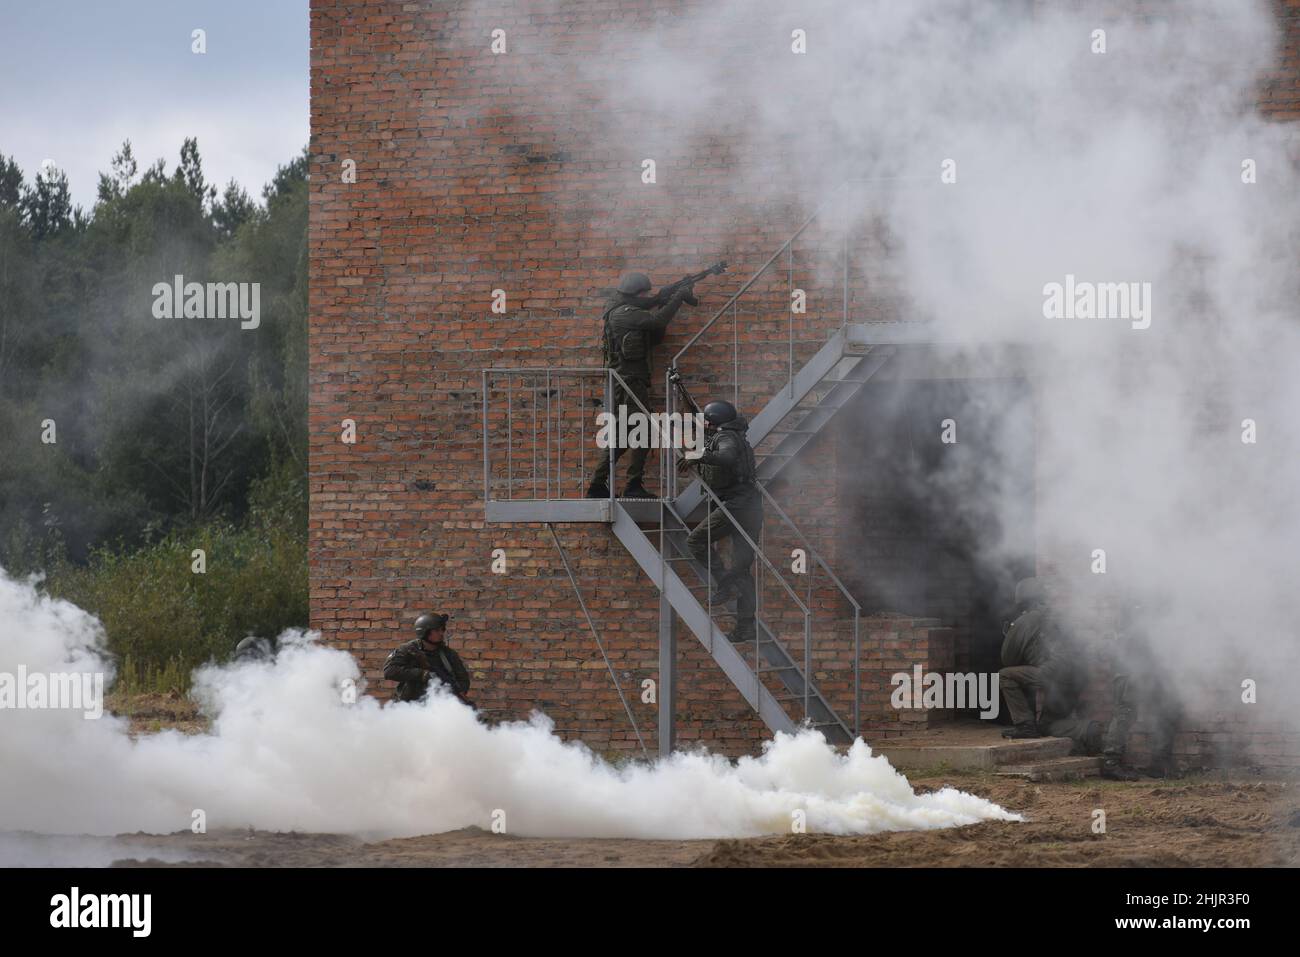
[1141, 161]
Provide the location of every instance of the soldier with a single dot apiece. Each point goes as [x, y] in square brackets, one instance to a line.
[427, 658]
[633, 325]
[727, 467]
[254, 649]
[1036, 656]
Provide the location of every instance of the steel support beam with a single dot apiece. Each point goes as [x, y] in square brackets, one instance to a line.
[667, 670]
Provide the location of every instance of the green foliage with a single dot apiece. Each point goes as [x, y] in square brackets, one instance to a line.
[172, 434]
[164, 619]
[137, 678]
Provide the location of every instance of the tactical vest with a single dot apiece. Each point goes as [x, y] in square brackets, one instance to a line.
[725, 478]
[631, 345]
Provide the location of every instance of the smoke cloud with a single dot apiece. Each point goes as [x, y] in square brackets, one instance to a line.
[286, 753]
[1091, 142]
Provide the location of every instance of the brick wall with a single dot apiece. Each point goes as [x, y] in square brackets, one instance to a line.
[468, 180]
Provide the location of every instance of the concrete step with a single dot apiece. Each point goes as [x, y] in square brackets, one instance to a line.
[1054, 769]
[1030, 750]
[993, 755]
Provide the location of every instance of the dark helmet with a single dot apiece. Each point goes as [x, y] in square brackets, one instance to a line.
[427, 623]
[1029, 591]
[634, 284]
[253, 649]
[719, 412]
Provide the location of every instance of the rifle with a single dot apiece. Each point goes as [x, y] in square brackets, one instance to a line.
[688, 283]
[688, 400]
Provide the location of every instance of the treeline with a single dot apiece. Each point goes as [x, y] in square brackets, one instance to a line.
[131, 441]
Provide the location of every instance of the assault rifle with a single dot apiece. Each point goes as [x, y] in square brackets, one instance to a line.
[688, 403]
[688, 400]
[688, 283]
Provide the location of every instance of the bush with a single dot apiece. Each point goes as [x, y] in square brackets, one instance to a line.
[164, 619]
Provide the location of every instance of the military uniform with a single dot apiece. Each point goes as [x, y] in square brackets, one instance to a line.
[412, 667]
[1036, 656]
[727, 466]
[632, 328]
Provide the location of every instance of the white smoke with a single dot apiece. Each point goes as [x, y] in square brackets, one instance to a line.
[1144, 162]
[286, 753]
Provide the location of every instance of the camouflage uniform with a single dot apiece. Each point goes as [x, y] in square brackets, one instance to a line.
[412, 667]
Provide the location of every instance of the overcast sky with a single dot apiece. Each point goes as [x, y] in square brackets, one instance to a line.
[79, 76]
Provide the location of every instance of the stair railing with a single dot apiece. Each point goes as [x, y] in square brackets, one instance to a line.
[805, 610]
[787, 248]
[844, 592]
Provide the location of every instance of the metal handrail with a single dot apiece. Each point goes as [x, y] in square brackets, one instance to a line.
[749, 282]
[546, 373]
[765, 562]
[758, 552]
[670, 399]
[857, 608]
[808, 545]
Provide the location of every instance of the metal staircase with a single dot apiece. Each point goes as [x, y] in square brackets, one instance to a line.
[691, 599]
[803, 407]
[775, 672]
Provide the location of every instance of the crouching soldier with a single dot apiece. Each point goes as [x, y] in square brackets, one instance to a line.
[427, 658]
[1037, 656]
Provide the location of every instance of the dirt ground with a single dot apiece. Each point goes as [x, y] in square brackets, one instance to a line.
[1207, 820]
[1191, 823]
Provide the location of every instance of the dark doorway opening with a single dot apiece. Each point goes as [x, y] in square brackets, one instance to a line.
[934, 528]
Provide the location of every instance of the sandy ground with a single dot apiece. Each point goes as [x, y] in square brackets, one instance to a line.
[1208, 820]
[1196, 822]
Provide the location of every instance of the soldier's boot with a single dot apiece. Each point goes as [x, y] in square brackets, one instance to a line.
[744, 631]
[1112, 770]
[597, 490]
[635, 489]
[1025, 729]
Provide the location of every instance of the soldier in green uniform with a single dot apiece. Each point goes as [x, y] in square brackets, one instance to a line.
[727, 467]
[427, 658]
[633, 325]
[1037, 656]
